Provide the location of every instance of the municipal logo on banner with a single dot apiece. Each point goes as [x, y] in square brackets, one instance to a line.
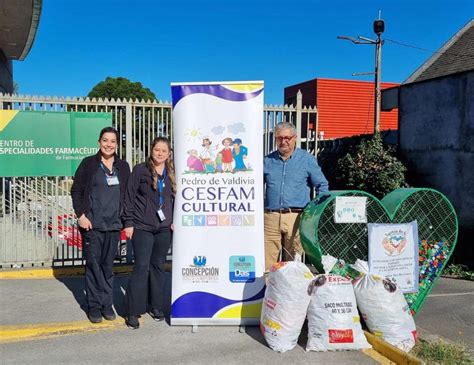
[242, 269]
[199, 271]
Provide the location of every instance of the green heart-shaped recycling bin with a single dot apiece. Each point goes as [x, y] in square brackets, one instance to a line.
[436, 217]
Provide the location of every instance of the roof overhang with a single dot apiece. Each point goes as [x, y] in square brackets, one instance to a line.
[436, 55]
[19, 22]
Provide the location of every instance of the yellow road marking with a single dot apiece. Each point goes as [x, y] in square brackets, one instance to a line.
[50, 273]
[41, 331]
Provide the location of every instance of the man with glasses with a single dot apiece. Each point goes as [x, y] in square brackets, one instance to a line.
[289, 173]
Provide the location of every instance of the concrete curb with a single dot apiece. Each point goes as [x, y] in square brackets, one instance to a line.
[377, 356]
[59, 272]
[391, 352]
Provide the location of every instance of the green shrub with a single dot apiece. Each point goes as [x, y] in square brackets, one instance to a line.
[459, 271]
[440, 352]
[371, 167]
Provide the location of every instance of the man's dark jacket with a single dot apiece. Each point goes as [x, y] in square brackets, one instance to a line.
[84, 178]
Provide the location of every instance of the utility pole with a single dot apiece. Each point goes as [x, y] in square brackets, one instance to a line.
[379, 27]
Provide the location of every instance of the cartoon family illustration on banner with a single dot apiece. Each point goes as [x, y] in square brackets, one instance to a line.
[218, 152]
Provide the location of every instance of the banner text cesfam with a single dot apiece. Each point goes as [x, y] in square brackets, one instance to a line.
[218, 199]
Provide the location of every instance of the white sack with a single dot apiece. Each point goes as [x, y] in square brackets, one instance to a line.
[285, 304]
[384, 309]
[333, 320]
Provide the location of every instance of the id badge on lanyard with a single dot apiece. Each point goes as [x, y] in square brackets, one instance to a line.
[161, 186]
[161, 215]
[112, 178]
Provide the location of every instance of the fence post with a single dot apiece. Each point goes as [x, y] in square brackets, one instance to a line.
[316, 133]
[299, 106]
[128, 133]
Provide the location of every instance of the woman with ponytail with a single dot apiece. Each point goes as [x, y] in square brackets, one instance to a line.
[148, 219]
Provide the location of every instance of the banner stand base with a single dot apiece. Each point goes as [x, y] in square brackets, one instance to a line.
[195, 329]
[196, 322]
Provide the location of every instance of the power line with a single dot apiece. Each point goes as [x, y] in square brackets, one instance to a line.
[429, 50]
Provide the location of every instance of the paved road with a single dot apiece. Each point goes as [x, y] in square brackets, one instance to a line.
[46, 301]
[449, 312]
[159, 343]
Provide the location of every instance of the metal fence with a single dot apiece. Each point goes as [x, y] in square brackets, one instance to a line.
[37, 224]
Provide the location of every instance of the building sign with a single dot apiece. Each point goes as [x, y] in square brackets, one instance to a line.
[47, 143]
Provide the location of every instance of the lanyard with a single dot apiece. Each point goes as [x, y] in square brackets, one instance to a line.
[102, 166]
[110, 178]
[161, 186]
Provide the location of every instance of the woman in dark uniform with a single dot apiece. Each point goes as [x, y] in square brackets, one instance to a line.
[98, 194]
[148, 219]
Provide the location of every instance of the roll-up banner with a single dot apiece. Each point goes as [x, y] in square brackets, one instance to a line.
[218, 249]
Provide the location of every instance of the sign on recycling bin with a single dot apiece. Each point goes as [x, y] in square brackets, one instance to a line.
[350, 209]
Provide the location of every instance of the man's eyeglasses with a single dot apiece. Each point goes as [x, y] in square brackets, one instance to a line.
[287, 139]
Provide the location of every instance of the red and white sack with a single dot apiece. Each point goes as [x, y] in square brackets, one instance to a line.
[384, 309]
[285, 304]
[333, 319]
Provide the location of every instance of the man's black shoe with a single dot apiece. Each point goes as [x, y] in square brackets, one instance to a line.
[95, 316]
[156, 314]
[132, 322]
[109, 314]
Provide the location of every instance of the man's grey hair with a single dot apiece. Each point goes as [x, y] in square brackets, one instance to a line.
[284, 125]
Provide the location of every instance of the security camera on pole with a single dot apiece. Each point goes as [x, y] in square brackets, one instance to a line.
[379, 27]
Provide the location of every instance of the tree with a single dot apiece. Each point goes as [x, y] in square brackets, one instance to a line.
[121, 87]
[372, 167]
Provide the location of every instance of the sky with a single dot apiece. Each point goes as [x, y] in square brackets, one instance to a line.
[81, 42]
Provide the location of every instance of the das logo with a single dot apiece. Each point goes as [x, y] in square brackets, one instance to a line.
[242, 269]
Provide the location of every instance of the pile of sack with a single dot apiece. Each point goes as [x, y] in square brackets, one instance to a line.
[332, 303]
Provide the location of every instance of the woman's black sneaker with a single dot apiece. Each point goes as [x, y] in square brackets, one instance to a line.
[132, 322]
[95, 316]
[109, 314]
[156, 314]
